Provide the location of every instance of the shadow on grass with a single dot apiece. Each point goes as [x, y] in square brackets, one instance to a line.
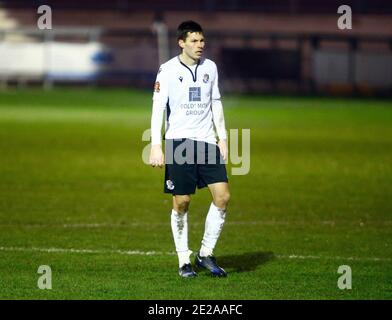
[244, 262]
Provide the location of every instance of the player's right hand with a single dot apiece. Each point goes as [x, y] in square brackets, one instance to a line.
[157, 159]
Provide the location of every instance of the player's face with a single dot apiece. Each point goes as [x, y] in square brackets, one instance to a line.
[193, 45]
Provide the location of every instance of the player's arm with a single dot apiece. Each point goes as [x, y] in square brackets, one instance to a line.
[158, 111]
[156, 154]
[219, 121]
[219, 118]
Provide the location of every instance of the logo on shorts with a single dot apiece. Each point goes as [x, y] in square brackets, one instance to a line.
[194, 94]
[206, 78]
[169, 184]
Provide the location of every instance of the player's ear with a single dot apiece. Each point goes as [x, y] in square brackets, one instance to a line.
[181, 43]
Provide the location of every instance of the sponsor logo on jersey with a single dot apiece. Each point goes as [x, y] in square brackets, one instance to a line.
[157, 87]
[194, 94]
[206, 77]
[169, 184]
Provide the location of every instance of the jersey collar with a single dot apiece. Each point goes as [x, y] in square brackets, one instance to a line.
[194, 76]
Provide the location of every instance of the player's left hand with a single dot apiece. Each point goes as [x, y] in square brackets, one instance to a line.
[157, 158]
[222, 144]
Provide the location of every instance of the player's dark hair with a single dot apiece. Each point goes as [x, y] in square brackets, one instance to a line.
[187, 26]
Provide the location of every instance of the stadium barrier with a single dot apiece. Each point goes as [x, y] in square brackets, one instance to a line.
[248, 62]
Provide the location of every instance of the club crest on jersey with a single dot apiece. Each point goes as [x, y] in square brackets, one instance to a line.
[180, 78]
[169, 184]
[206, 77]
[157, 87]
[194, 94]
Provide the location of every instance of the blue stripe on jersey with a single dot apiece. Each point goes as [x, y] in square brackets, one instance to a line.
[167, 116]
[167, 110]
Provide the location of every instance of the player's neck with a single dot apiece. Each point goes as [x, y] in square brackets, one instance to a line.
[187, 60]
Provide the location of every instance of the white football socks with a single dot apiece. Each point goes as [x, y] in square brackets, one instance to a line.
[183, 258]
[213, 227]
[179, 226]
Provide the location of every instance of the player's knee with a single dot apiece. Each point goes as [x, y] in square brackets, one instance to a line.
[222, 200]
[181, 203]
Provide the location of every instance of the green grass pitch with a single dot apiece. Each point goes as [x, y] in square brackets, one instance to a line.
[75, 195]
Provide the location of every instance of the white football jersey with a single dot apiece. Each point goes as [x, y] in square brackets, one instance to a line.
[188, 92]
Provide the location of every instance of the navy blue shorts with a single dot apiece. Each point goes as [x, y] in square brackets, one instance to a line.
[191, 164]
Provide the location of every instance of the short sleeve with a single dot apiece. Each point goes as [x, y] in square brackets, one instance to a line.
[215, 86]
[161, 86]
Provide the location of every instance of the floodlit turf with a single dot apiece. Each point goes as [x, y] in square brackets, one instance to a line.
[75, 195]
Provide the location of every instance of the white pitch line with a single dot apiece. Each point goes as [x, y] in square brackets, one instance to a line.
[158, 253]
[73, 250]
[310, 257]
[158, 224]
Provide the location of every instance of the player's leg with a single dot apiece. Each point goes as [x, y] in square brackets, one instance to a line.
[216, 217]
[220, 194]
[179, 226]
[213, 227]
[181, 203]
[213, 174]
[180, 181]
